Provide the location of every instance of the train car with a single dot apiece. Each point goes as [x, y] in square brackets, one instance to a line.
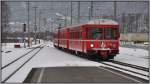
[98, 38]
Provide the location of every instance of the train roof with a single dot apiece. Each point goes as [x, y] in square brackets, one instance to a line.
[103, 22]
[96, 22]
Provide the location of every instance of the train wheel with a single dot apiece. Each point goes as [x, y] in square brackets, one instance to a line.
[83, 55]
[72, 52]
[67, 50]
[59, 48]
[79, 54]
[76, 53]
[94, 57]
[111, 56]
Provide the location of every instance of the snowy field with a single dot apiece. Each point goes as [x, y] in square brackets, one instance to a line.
[52, 57]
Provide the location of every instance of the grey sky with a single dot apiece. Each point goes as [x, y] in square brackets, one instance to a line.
[49, 9]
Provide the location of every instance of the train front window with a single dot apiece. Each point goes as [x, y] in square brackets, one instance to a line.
[95, 33]
[101, 33]
[110, 33]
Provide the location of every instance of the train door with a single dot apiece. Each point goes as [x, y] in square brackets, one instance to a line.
[58, 37]
[68, 37]
[83, 39]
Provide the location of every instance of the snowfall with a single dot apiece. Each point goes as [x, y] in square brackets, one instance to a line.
[52, 57]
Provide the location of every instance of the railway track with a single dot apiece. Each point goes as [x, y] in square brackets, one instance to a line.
[131, 65]
[138, 72]
[25, 58]
[18, 58]
[135, 71]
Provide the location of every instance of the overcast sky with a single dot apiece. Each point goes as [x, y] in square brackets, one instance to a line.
[19, 9]
[49, 9]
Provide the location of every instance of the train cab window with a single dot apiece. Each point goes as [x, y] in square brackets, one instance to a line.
[95, 33]
[110, 33]
[102, 33]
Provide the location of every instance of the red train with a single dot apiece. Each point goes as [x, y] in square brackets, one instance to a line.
[98, 38]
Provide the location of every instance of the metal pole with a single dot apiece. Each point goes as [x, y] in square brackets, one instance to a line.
[24, 30]
[39, 25]
[89, 14]
[78, 11]
[35, 26]
[71, 12]
[148, 23]
[28, 27]
[91, 9]
[115, 12]
[123, 23]
[52, 26]
[24, 39]
[65, 20]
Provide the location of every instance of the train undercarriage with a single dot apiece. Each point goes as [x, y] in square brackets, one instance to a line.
[92, 54]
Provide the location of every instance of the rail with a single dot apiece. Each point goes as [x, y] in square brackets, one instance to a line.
[9, 76]
[115, 65]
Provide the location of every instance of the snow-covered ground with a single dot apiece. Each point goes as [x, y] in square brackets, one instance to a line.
[52, 57]
[10, 69]
[134, 56]
[135, 45]
[13, 54]
[9, 53]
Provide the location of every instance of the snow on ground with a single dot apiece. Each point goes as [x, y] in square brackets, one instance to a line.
[10, 69]
[50, 57]
[14, 53]
[133, 56]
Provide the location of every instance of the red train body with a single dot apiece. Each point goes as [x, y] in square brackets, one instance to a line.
[99, 38]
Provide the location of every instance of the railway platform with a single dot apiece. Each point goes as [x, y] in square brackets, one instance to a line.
[76, 74]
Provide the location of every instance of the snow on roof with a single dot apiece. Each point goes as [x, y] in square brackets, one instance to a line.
[103, 21]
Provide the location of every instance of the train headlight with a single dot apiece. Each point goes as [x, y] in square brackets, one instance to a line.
[92, 45]
[103, 45]
[114, 45]
[110, 44]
